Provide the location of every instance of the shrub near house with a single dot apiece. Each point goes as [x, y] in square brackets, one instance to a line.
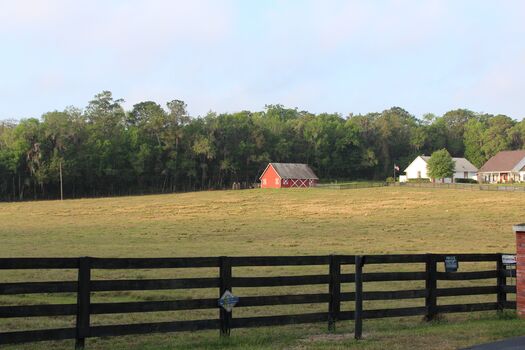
[465, 181]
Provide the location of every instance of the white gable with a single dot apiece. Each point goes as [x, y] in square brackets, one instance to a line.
[519, 166]
[417, 169]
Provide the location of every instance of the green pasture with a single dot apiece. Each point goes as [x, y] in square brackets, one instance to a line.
[382, 220]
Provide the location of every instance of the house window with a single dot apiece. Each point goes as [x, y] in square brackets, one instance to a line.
[419, 174]
[276, 181]
[264, 181]
[465, 175]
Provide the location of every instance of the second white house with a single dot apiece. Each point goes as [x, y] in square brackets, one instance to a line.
[418, 170]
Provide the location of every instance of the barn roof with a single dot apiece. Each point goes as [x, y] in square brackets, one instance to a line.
[504, 161]
[293, 171]
[462, 164]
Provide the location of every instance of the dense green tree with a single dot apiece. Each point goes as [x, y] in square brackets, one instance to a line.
[395, 129]
[106, 150]
[496, 136]
[10, 176]
[440, 165]
[474, 140]
[366, 134]
[436, 135]
[516, 135]
[455, 122]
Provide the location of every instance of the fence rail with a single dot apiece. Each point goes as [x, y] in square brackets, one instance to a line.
[338, 291]
[461, 186]
[350, 186]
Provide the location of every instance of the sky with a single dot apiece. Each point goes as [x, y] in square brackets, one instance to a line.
[227, 56]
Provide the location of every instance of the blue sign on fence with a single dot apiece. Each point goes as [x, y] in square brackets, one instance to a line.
[451, 264]
[227, 301]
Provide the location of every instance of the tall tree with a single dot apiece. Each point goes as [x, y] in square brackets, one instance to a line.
[474, 140]
[496, 136]
[395, 127]
[455, 122]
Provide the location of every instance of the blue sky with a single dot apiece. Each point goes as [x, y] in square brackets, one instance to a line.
[226, 56]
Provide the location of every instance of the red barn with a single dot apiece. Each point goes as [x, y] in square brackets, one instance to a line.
[277, 175]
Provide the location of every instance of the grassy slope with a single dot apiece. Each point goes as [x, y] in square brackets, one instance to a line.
[266, 222]
[382, 220]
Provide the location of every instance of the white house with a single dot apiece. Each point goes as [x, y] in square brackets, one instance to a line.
[418, 170]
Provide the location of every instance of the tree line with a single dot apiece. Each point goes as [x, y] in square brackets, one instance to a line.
[104, 150]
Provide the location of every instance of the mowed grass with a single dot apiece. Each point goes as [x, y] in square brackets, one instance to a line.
[275, 222]
[265, 222]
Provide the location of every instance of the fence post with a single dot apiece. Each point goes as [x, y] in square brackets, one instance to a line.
[83, 302]
[358, 312]
[334, 306]
[502, 282]
[431, 285]
[519, 231]
[225, 284]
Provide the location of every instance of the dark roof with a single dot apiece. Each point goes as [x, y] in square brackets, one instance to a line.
[293, 171]
[503, 161]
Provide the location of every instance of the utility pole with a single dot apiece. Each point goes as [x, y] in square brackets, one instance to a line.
[394, 172]
[61, 185]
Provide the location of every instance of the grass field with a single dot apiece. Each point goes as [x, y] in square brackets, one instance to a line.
[265, 222]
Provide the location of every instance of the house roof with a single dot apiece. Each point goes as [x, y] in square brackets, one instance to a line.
[504, 161]
[293, 171]
[462, 165]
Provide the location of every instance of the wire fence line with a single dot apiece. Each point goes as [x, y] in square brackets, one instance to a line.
[350, 186]
[458, 186]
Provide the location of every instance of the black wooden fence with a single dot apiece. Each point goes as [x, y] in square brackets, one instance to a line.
[351, 186]
[462, 186]
[338, 292]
